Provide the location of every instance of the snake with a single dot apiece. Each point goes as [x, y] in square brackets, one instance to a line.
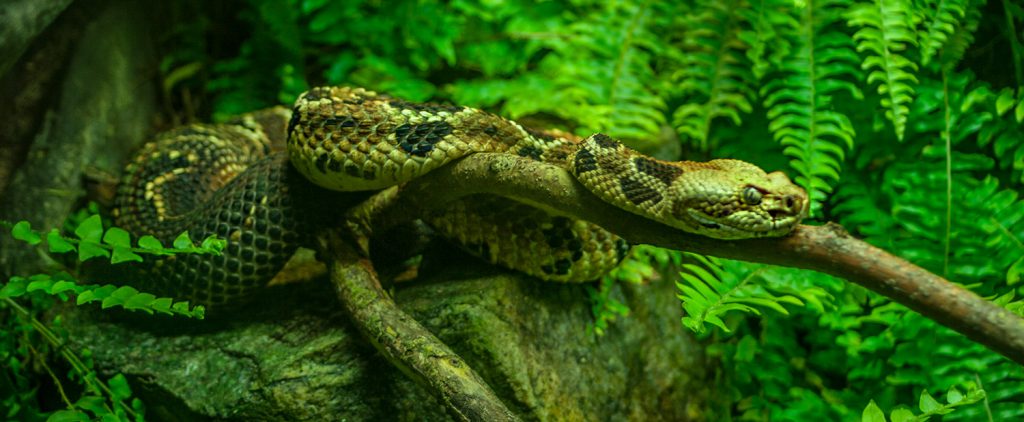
[269, 180]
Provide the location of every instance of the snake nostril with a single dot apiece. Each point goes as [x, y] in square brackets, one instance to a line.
[790, 202]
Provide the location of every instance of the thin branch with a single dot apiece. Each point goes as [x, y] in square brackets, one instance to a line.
[828, 249]
[403, 341]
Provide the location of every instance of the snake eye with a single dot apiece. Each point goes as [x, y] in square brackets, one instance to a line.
[751, 196]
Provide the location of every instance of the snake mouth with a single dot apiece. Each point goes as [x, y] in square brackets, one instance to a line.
[710, 224]
[775, 226]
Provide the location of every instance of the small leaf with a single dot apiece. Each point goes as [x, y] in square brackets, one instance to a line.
[63, 286]
[954, 396]
[40, 283]
[183, 241]
[88, 249]
[872, 413]
[902, 415]
[123, 255]
[1016, 270]
[119, 387]
[23, 231]
[15, 287]
[140, 302]
[927, 403]
[214, 245]
[117, 236]
[57, 243]
[150, 243]
[91, 229]
[94, 404]
[67, 416]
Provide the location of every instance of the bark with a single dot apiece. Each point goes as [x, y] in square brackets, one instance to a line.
[23, 21]
[404, 342]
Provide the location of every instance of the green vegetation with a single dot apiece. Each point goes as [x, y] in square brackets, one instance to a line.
[25, 342]
[902, 118]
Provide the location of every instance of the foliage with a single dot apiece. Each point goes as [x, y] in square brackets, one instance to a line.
[26, 342]
[928, 405]
[902, 119]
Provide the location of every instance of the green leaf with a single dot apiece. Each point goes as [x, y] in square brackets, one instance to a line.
[150, 243]
[68, 416]
[95, 404]
[119, 387]
[954, 396]
[872, 413]
[214, 245]
[15, 287]
[1013, 275]
[117, 236]
[183, 241]
[141, 301]
[902, 415]
[63, 286]
[88, 249]
[927, 403]
[123, 255]
[57, 243]
[23, 231]
[91, 229]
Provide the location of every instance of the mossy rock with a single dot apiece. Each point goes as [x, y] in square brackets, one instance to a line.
[293, 355]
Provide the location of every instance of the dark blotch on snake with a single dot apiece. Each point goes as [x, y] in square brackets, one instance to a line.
[353, 170]
[637, 192]
[585, 161]
[605, 141]
[419, 139]
[530, 151]
[661, 171]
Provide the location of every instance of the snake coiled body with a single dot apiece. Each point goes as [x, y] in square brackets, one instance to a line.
[226, 180]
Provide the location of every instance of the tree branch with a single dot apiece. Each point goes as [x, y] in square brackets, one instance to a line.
[828, 249]
[403, 341]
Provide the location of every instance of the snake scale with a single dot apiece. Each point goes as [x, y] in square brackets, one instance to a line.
[232, 181]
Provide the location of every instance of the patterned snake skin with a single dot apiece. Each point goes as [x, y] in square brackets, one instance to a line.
[225, 180]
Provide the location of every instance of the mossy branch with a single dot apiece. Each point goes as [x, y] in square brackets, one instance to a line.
[827, 249]
[403, 341]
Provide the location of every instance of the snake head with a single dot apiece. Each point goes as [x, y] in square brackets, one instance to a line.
[732, 199]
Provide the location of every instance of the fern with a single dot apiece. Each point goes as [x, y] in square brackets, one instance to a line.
[767, 45]
[799, 100]
[885, 31]
[1004, 135]
[708, 292]
[963, 35]
[712, 75]
[939, 18]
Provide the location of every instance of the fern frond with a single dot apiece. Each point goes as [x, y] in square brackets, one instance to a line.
[963, 36]
[605, 70]
[713, 77]
[1005, 135]
[885, 31]
[767, 46]
[799, 100]
[708, 292]
[939, 19]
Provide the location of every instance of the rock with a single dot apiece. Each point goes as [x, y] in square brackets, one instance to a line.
[291, 355]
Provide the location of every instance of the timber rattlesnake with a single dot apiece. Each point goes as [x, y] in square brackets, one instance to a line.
[226, 180]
